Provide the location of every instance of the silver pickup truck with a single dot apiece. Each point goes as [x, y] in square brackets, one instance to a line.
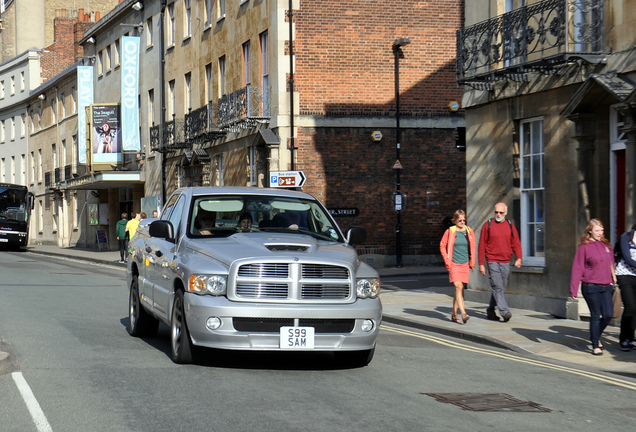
[252, 269]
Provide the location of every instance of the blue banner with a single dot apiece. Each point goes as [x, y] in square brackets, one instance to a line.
[129, 92]
[84, 99]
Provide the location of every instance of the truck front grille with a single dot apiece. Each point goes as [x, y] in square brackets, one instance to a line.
[273, 325]
[295, 281]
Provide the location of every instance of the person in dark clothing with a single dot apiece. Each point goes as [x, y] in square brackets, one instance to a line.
[626, 277]
[122, 237]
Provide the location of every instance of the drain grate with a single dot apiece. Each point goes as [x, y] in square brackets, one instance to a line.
[483, 402]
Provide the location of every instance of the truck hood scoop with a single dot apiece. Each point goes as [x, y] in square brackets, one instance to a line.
[287, 247]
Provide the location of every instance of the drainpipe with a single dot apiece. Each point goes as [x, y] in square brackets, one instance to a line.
[162, 100]
[291, 84]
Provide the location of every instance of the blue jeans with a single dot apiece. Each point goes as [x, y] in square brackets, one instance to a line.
[498, 274]
[599, 300]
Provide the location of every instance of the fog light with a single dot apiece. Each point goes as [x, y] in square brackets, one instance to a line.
[367, 325]
[213, 323]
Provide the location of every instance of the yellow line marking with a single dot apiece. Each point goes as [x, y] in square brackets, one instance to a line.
[451, 344]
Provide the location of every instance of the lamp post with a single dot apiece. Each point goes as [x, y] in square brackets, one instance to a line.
[397, 52]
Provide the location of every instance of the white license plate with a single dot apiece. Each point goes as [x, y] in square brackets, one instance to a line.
[300, 338]
[4, 240]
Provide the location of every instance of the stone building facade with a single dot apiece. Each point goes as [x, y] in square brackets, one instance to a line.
[549, 130]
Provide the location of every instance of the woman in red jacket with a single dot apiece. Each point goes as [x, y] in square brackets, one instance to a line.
[458, 249]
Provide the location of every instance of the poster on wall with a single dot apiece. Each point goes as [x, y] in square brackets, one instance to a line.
[105, 134]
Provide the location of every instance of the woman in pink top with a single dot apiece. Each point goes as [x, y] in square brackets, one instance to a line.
[593, 268]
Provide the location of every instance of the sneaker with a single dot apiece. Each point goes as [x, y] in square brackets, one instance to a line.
[121, 261]
[507, 316]
[492, 317]
[626, 345]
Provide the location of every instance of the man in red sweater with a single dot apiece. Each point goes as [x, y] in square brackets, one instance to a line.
[497, 242]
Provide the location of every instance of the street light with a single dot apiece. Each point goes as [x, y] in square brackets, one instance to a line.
[397, 52]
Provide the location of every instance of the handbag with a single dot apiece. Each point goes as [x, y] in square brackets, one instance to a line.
[617, 302]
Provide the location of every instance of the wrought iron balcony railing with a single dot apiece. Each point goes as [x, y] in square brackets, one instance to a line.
[243, 109]
[195, 128]
[541, 37]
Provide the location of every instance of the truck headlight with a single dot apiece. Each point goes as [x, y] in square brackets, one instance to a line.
[215, 285]
[368, 288]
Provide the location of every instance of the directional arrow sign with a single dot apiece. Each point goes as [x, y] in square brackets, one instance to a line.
[286, 179]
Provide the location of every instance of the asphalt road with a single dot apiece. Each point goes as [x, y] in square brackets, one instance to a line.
[75, 368]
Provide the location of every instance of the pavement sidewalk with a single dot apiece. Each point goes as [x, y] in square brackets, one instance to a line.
[429, 309]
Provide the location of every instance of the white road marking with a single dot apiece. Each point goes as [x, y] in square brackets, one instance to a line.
[41, 423]
[606, 379]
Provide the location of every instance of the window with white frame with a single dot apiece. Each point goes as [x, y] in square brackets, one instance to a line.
[13, 169]
[221, 76]
[221, 9]
[208, 13]
[2, 132]
[149, 40]
[151, 107]
[246, 63]
[265, 71]
[12, 85]
[23, 169]
[187, 17]
[171, 29]
[22, 125]
[12, 128]
[107, 58]
[172, 100]
[100, 70]
[40, 166]
[188, 92]
[73, 100]
[2, 89]
[22, 81]
[62, 106]
[532, 191]
[53, 110]
[32, 167]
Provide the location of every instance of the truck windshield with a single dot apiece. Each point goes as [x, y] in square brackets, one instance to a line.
[13, 203]
[226, 215]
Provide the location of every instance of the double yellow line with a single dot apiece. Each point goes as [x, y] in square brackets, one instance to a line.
[457, 345]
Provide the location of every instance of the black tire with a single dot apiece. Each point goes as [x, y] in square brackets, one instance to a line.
[140, 322]
[181, 345]
[355, 358]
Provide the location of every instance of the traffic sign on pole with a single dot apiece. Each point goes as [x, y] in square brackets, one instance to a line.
[286, 179]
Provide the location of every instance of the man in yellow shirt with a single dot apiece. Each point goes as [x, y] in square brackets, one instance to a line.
[132, 224]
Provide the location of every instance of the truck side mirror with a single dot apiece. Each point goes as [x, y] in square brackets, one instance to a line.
[161, 229]
[355, 235]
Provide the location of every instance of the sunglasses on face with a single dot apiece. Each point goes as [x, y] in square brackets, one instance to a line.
[498, 212]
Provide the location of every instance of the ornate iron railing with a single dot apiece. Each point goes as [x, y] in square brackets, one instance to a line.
[242, 109]
[541, 37]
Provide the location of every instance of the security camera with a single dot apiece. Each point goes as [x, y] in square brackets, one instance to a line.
[138, 6]
[90, 40]
[42, 96]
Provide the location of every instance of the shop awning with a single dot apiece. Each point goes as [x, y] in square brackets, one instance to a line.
[104, 180]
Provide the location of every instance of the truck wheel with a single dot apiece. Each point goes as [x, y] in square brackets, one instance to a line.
[140, 322]
[355, 358]
[180, 342]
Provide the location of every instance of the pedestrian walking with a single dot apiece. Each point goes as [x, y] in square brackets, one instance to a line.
[132, 224]
[593, 269]
[626, 278]
[122, 237]
[498, 240]
[458, 250]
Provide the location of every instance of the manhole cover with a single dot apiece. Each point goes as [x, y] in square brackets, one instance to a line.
[488, 402]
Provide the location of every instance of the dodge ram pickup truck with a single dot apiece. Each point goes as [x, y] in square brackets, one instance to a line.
[243, 268]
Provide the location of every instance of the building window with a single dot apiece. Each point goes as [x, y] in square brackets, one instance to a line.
[116, 50]
[172, 101]
[2, 132]
[219, 170]
[54, 154]
[208, 82]
[53, 111]
[3, 169]
[265, 72]
[151, 107]
[171, 30]
[73, 101]
[63, 106]
[39, 165]
[188, 92]
[187, 16]
[23, 180]
[12, 128]
[532, 192]
[12, 85]
[75, 152]
[22, 81]
[221, 5]
[2, 89]
[100, 71]
[22, 125]
[13, 169]
[246, 63]
[32, 167]
[107, 58]
[149, 32]
[208, 13]
[221, 76]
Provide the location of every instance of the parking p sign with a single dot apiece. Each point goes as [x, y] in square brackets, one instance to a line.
[286, 179]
